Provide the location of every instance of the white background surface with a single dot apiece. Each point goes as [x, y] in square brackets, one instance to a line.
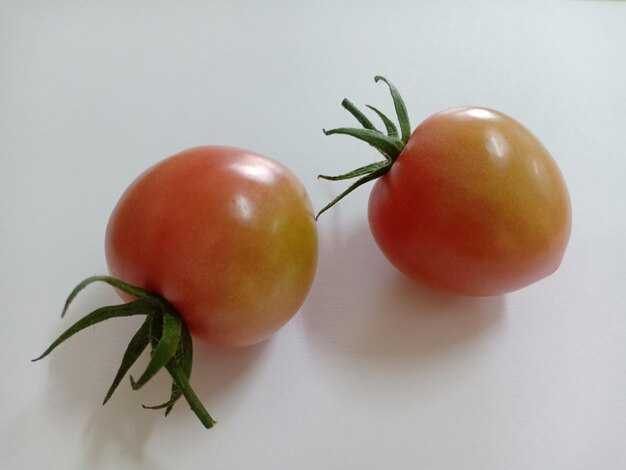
[374, 372]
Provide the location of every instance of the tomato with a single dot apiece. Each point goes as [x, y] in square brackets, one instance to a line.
[226, 236]
[470, 202]
[214, 242]
[474, 204]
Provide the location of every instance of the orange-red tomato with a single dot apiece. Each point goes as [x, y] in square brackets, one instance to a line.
[470, 202]
[474, 204]
[228, 237]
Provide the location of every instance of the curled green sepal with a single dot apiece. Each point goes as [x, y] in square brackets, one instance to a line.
[183, 358]
[137, 307]
[137, 345]
[164, 349]
[401, 112]
[124, 287]
[369, 177]
[392, 130]
[163, 330]
[390, 145]
[362, 118]
[364, 170]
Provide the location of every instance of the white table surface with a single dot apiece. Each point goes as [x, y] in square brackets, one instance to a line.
[374, 371]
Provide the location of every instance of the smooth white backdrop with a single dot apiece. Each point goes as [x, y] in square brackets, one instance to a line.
[374, 371]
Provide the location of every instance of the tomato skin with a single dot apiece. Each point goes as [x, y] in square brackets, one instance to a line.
[474, 205]
[228, 237]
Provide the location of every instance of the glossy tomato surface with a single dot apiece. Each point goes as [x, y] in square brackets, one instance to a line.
[225, 235]
[474, 205]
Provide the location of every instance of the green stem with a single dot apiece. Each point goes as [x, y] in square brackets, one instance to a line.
[194, 402]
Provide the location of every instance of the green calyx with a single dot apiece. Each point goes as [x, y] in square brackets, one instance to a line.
[163, 330]
[390, 144]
